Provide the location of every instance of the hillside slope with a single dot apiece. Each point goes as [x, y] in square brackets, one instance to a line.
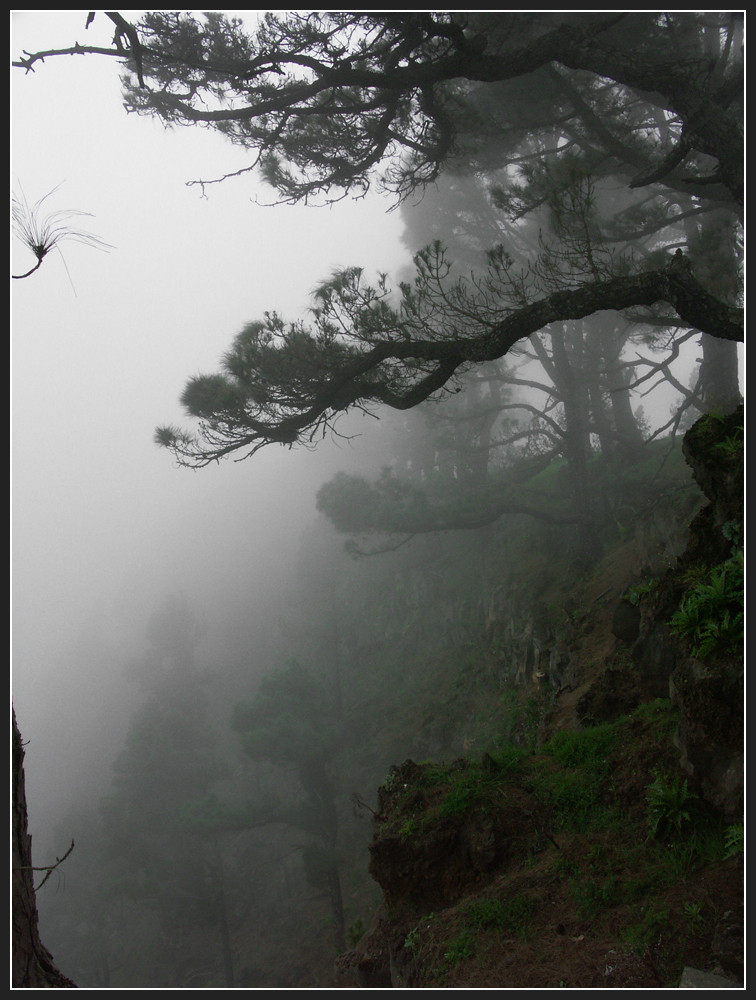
[607, 850]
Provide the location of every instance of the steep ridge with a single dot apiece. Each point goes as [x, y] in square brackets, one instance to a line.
[606, 851]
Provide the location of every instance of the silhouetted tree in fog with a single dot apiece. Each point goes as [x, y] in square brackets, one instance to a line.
[290, 723]
[324, 100]
[161, 824]
[287, 383]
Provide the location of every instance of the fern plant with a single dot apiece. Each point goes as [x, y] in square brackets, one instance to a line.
[670, 806]
[711, 613]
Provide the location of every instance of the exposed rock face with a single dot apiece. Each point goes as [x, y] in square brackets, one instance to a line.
[713, 448]
[368, 965]
[661, 537]
[613, 659]
[626, 622]
[452, 856]
[710, 693]
[431, 866]
[710, 735]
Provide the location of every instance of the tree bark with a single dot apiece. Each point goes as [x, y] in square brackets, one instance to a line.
[719, 375]
[223, 926]
[574, 393]
[32, 963]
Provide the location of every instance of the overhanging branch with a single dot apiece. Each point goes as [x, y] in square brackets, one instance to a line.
[384, 372]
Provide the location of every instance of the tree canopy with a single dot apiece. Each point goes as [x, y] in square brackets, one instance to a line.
[322, 98]
[329, 101]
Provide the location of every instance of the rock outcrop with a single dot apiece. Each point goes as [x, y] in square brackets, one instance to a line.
[432, 862]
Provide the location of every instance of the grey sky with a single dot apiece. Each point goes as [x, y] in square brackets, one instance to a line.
[104, 524]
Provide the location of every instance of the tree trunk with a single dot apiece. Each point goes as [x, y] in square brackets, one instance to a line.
[599, 415]
[567, 358]
[337, 909]
[719, 375]
[628, 434]
[32, 963]
[227, 952]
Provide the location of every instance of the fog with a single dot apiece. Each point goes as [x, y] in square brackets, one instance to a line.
[104, 525]
[207, 684]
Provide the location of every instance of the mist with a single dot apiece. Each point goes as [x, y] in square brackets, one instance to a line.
[104, 526]
[144, 591]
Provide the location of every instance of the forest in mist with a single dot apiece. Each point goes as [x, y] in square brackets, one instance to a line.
[308, 458]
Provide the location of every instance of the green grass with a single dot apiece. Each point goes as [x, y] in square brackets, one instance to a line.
[643, 933]
[588, 749]
[511, 915]
[577, 789]
[592, 895]
[482, 918]
[463, 945]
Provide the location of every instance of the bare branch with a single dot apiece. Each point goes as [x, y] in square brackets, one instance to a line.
[47, 868]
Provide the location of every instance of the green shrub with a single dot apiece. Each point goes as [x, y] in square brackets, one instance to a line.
[511, 915]
[355, 932]
[635, 595]
[588, 748]
[670, 806]
[509, 758]
[711, 613]
[461, 947]
[577, 792]
[641, 935]
[694, 915]
[476, 783]
[459, 799]
[409, 828]
[593, 895]
[412, 941]
[660, 709]
[734, 840]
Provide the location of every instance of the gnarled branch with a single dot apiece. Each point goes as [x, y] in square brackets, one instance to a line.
[288, 387]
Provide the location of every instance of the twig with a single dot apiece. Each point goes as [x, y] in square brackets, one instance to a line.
[46, 868]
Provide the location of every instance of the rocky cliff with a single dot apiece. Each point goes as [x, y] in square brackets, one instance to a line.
[609, 854]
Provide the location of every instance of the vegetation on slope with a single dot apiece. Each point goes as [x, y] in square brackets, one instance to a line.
[588, 863]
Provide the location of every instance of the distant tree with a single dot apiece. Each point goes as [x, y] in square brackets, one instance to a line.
[560, 193]
[161, 822]
[396, 505]
[291, 724]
